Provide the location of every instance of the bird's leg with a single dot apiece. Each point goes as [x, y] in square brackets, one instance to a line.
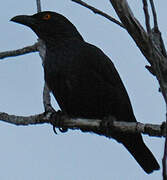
[50, 114]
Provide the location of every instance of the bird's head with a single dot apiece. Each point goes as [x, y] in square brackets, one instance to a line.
[49, 25]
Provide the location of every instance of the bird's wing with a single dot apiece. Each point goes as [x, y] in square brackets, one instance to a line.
[85, 82]
[103, 65]
[115, 94]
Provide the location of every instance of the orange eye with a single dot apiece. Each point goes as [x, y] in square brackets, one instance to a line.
[47, 16]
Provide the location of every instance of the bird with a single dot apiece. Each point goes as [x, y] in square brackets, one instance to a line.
[84, 81]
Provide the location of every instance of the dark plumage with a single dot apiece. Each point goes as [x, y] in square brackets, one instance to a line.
[84, 81]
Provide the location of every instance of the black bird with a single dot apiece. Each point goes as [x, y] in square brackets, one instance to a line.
[84, 80]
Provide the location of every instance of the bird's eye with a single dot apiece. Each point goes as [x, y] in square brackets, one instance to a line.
[46, 16]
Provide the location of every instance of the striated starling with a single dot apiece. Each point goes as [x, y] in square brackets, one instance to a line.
[84, 81]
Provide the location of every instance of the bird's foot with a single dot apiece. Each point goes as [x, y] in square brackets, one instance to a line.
[106, 125]
[56, 120]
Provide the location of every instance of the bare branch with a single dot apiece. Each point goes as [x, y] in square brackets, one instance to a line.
[46, 93]
[46, 99]
[133, 26]
[22, 120]
[156, 42]
[156, 33]
[18, 52]
[147, 17]
[125, 127]
[97, 11]
[42, 49]
[88, 124]
[38, 5]
[24, 50]
[149, 48]
[154, 15]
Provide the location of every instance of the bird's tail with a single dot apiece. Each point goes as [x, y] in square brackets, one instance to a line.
[135, 145]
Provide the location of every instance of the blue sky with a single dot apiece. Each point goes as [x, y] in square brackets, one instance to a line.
[35, 152]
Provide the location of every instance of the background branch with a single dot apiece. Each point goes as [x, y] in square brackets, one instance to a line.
[46, 99]
[38, 2]
[154, 15]
[97, 11]
[147, 17]
[18, 52]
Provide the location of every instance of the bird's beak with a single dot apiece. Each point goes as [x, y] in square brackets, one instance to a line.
[25, 20]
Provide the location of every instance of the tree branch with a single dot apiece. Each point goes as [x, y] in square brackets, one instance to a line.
[97, 11]
[148, 47]
[157, 34]
[147, 17]
[88, 124]
[22, 120]
[133, 26]
[18, 52]
[38, 2]
[46, 99]
[154, 15]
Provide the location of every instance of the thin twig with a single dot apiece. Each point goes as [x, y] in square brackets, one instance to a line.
[157, 33]
[147, 17]
[41, 48]
[23, 120]
[46, 93]
[97, 11]
[154, 15]
[38, 5]
[18, 52]
[132, 25]
[46, 99]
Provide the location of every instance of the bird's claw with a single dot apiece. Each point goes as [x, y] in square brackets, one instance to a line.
[54, 129]
[56, 121]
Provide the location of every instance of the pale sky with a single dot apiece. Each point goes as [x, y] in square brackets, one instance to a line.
[35, 152]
